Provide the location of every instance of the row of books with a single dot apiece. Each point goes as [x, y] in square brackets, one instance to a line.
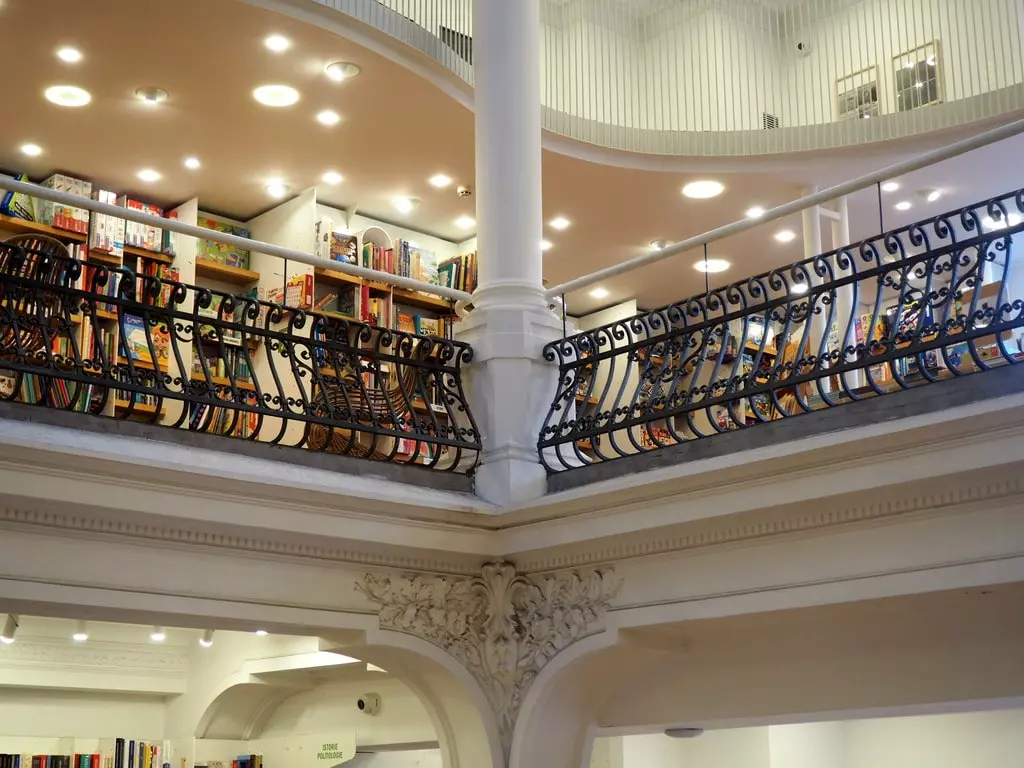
[139, 398]
[219, 420]
[458, 272]
[233, 364]
[160, 271]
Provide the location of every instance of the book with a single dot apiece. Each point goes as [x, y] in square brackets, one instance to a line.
[229, 255]
[18, 205]
[137, 344]
[343, 248]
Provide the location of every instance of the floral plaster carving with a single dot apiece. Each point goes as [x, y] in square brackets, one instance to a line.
[504, 627]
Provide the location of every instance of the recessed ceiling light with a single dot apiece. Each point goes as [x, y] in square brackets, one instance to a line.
[560, 223]
[277, 188]
[755, 212]
[158, 635]
[659, 245]
[440, 181]
[32, 150]
[192, 163]
[69, 55]
[148, 175]
[328, 117]
[341, 70]
[785, 235]
[81, 633]
[890, 186]
[465, 222]
[332, 177]
[404, 204]
[151, 94]
[206, 641]
[261, 632]
[798, 288]
[702, 190]
[711, 265]
[546, 245]
[932, 195]
[1011, 220]
[277, 43]
[904, 205]
[599, 293]
[276, 95]
[67, 95]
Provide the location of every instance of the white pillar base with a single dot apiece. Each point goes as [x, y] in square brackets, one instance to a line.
[510, 387]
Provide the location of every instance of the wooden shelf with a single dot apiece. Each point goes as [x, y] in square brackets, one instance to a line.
[141, 364]
[144, 253]
[22, 227]
[102, 314]
[102, 257]
[755, 348]
[337, 315]
[223, 381]
[988, 291]
[214, 270]
[420, 407]
[377, 287]
[143, 409]
[592, 400]
[336, 278]
[421, 300]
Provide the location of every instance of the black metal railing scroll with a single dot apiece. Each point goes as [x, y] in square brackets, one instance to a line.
[936, 300]
[83, 336]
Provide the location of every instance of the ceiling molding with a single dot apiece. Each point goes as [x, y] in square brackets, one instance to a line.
[110, 658]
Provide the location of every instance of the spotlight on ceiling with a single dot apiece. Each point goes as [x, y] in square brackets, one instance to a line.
[465, 222]
[890, 186]
[599, 293]
[546, 245]
[277, 188]
[148, 175]
[785, 235]
[341, 70]
[192, 163]
[405, 204]
[711, 265]
[277, 43]
[931, 195]
[683, 733]
[10, 627]
[158, 635]
[207, 639]
[69, 55]
[756, 212]
[67, 95]
[332, 178]
[151, 94]
[32, 150]
[904, 205]
[276, 95]
[261, 633]
[440, 180]
[659, 245]
[560, 223]
[328, 117]
[81, 633]
[704, 189]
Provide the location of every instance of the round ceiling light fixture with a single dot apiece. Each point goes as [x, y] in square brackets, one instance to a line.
[711, 265]
[277, 188]
[148, 175]
[890, 186]
[703, 189]
[440, 180]
[560, 223]
[755, 212]
[151, 94]
[659, 245]
[277, 43]
[546, 245]
[67, 95]
[32, 150]
[276, 95]
[341, 70]
[599, 293]
[904, 205]
[192, 163]
[69, 55]
[785, 235]
[683, 733]
[465, 222]
[332, 178]
[405, 204]
[328, 117]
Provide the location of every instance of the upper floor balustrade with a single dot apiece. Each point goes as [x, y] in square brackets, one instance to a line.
[741, 77]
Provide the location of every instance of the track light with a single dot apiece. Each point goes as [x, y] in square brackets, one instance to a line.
[10, 627]
[81, 633]
[158, 635]
[207, 639]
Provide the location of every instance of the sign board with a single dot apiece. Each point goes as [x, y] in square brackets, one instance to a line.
[309, 751]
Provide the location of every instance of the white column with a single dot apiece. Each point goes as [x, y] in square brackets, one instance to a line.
[812, 247]
[510, 385]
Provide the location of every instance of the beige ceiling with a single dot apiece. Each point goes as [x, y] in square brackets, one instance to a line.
[396, 132]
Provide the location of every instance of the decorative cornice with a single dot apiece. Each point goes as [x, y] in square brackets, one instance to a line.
[502, 626]
[264, 546]
[879, 505]
[110, 658]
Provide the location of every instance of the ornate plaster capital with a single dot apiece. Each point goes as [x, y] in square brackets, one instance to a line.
[504, 627]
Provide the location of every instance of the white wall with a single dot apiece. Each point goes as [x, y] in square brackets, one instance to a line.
[971, 740]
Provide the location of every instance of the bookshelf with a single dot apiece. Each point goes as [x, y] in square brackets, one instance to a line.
[214, 270]
[22, 227]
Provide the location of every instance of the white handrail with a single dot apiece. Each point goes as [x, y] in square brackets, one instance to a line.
[223, 237]
[795, 206]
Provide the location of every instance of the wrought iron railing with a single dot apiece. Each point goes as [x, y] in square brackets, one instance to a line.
[932, 301]
[84, 336]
